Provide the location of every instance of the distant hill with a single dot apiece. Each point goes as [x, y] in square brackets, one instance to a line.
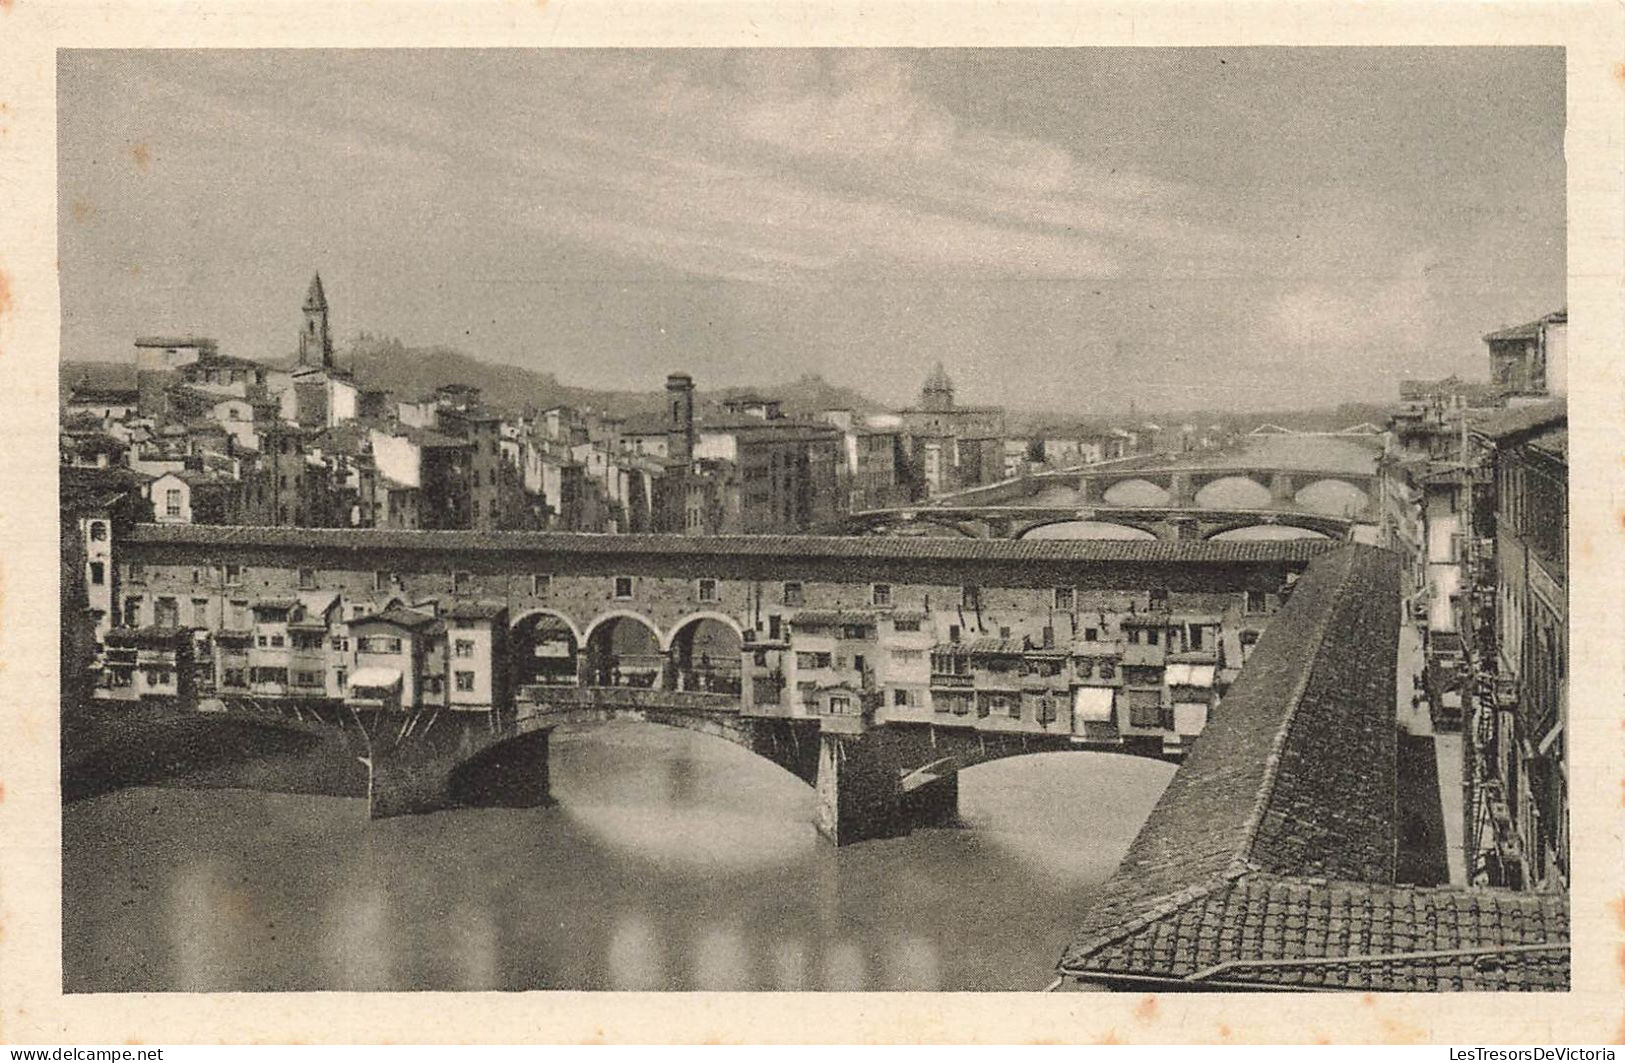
[410, 372]
[1324, 419]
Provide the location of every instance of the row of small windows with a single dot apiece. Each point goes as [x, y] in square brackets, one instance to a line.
[707, 589]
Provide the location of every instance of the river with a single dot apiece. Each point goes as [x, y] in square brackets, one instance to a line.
[670, 861]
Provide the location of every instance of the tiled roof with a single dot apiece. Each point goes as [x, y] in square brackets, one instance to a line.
[1270, 859]
[1529, 329]
[993, 647]
[813, 617]
[150, 635]
[408, 618]
[98, 481]
[1294, 775]
[1268, 930]
[475, 610]
[1503, 424]
[781, 427]
[807, 546]
[91, 393]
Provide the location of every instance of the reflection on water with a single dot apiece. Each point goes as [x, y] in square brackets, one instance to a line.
[672, 861]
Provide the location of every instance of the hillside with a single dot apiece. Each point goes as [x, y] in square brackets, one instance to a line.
[414, 371]
[408, 372]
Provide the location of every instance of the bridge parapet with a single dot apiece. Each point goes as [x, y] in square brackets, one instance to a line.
[540, 698]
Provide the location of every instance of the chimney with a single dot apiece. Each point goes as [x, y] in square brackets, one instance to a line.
[680, 426]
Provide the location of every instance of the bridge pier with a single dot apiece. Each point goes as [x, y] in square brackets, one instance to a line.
[859, 792]
[435, 762]
[936, 804]
[861, 796]
[1282, 487]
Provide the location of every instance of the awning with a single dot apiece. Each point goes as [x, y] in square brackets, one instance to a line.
[1190, 675]
[1093, 704]
[376, 678]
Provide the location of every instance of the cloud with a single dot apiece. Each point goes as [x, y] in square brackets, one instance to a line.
[811, 171]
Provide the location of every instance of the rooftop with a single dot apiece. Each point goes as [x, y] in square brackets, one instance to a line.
[1287, 551]
[1529, 329]
[101, 393]
[174, 341]
[475, 610]
[1498, 425]
[410, 619]
[1269, 931]
[817, 617]
[1270, 859]
[778, 425]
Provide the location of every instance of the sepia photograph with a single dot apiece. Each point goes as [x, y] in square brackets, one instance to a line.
[945, 520]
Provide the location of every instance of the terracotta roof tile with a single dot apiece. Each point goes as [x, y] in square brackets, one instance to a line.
[1270, 859]
[1287, 551]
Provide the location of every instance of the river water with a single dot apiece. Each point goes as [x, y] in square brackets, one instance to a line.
[670, 861]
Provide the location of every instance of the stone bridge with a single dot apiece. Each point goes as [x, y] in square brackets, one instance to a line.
[1164, 499]
[1019, 521]
[875, 782]
[872, 667]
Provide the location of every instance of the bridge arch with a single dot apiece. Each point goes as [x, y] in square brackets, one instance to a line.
[1136, 491]
[694, 618]
[1055, 493]
[1263, 529]
[704, 653]
[624, 649]
[1233, 491]
[544, 646]
[1334, 496]
[1092, 528]
[516, 763]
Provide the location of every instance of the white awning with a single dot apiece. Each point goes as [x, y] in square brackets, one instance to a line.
[376, 678]
[1093, 704]
[1190, 675]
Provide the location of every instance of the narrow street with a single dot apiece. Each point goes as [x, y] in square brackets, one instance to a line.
[1430, 792]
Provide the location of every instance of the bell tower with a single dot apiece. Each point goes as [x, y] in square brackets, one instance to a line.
[315, 341]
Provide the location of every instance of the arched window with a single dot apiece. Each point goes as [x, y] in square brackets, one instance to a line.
[98, 531]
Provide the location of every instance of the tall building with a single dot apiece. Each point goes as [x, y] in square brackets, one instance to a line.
[680, 429]
[315, 337]
[950, 446]
[1516, 628]
[1529, 362]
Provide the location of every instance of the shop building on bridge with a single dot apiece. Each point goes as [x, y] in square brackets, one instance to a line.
[1110, 643]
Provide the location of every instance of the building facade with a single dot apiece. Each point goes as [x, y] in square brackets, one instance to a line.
[1517, 626]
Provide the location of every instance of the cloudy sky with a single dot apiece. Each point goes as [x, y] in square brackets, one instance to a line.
[1062, 228]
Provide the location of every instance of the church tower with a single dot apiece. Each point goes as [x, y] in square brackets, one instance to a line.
[315, 341]
[937, 396]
